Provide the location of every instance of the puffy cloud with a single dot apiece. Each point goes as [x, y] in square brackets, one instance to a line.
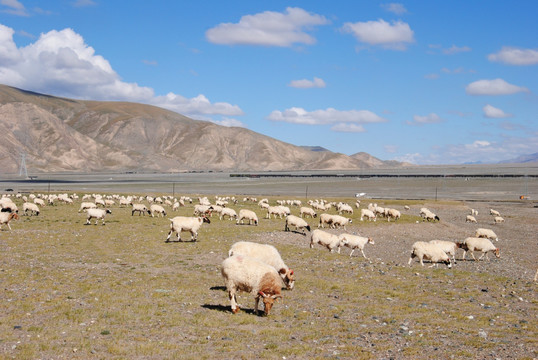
[431, 118]
[494, 113]
[228, 122]
[454, 50]
[305, 84]
[493, 87]
[268, 28]
[298, 115]
[514, 56]
[391, 36]
[354, 128]
[60, 63]
[13, 7]
[395, 8]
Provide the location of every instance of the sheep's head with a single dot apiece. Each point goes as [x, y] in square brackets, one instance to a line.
[371, 241]
[498, 252]
[268, 301]
[287, 277]
[206, 220]
[108, 211]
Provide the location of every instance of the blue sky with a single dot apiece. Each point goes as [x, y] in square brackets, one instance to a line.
[429, 82]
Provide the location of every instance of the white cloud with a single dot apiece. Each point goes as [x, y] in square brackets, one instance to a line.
[268, 28]
[394, 36]
[494, 113]
[60, 63]
[455, 50]
[431, 118]
[395, 8]
[306, 84]
[298, 115]
[354, 128]
[228, 122]
[514, 56]
[493, 87]
[14, 7]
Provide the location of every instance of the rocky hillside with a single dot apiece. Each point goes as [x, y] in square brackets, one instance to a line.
[59, 134]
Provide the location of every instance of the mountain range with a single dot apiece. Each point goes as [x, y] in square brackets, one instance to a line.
[65, 135]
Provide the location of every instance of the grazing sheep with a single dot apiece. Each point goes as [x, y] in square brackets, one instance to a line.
[228, 212]
[478, 244]
[474, 212]
[340, 221]
[154, 208]
[184, 223]
[202, 210]
[277, 210]
[494, 212]
[498, 220]
[355, 242]
[8, 206]
[406, 207]
[369, 215]
[249, 215]
[486, 233]
[470, 218]
[27, 206]
[431, 216]
[392, 213]
[97, 214]
[6, 217]
[242, 273]
[308, 211]
[330, 241]
[325, 219]
[448, 247]
[344, 208]
[432, 252]
[299, 223]
[267, 254]
[126, 202]
[39, 202]
[141, 209]
[100, 202]
[86, 206]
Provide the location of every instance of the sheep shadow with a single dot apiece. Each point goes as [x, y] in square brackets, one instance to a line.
[228, 309]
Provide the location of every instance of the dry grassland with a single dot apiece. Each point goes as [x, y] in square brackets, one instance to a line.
[75, 291]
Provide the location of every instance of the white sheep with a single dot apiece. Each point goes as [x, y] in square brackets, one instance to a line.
[154, 208]
[423, 250]
[185, 223]
[325, 219]
[344, 208]
[6, 217]
[340, 221]
[297, 222]
[406, 207]
[474, 212]
[431, 216]
[471, 219]
[498, 220]
[330, 241]
[392, 213]
[304, 211]
[202, 210]
[486, 233]
[249, 215]
[449, 247]
[355, 242]
[265, 253]
[141, 209]
[39, 202]
[97, 214]
[478, 244]
[242, 273]
[231, 213]
[369, 215]
[86, 206]
[33, 208]
[494, 212]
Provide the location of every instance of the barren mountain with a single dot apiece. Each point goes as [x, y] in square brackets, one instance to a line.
[58, 134]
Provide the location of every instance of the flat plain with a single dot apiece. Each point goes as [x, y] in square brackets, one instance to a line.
[119, 291]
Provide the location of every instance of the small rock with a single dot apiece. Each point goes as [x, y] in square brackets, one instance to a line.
[470, 317]
[483, 334]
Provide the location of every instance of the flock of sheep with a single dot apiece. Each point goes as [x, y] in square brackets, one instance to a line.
[259, 268]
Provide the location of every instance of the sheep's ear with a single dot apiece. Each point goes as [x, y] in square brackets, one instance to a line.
[277, 297]
[261, 293]
[282, 271]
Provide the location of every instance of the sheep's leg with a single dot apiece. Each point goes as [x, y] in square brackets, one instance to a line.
[194, 235]
[233, 302]
[169, 234]
[351, 252]
[9, 227]
[362, 251]
[472, 254]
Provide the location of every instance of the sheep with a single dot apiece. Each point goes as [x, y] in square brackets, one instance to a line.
[486, 233]
[474, 212]
[141, 209]
[100, 202]
[369, 215]
[392, 213]
[325, 219]
[249, 215]
[449, 247]
[33, 208]
[478, 244]
[494, 212]
[242, 273]
[97, 214]
[275, 210]
[39, 202]
[86, 206]
[330, 241]
[428, 215]
[154, 208]
[471, 218]
[202, 210]
[432, 252]
[299, 223]
[184, 223]
[8, 205]
[341, 208]
[498, 220]
[355, 242]
[304, 211]
[338, 221]
[423, 212]
[228, 212]
[6, 217]
[126, 202]
[406, 207]
[267, 254]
